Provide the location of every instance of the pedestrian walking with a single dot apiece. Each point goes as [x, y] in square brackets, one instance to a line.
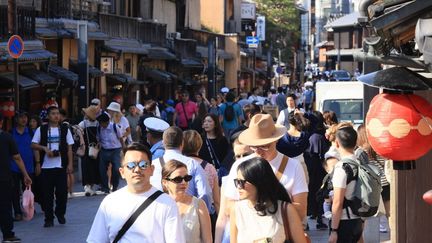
[117, 117]
[122, 216]
[230, 114]
[90, 163]
[264, 208]
[281, 99]
[149, 111]
[291, 107]
[198, 186]
[22, 135]
[133, 119]
[54, 142]
[346, 227]
[8, 149]
[193, 211]
[185, 112]
[155, 128]
[110, 139]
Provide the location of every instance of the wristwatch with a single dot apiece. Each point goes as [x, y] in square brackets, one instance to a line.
[334, 230]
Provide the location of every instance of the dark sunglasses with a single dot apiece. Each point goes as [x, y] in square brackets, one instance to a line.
[142, 165]
[179, 179]
[239, 183]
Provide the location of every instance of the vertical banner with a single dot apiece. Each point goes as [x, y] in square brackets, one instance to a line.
[260, 29]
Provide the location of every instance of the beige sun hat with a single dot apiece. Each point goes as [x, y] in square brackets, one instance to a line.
[114, 106]
[262, 130]
[91, 112]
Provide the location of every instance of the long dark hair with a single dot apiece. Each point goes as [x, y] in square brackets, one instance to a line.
[217, 127]
[259, 173]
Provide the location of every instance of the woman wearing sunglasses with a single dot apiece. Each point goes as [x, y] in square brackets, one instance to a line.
[193, 211]
[257, 217]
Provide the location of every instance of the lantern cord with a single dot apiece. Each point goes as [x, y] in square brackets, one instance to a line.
[415, 108]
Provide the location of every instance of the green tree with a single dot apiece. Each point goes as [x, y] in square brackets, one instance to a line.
[282, 26]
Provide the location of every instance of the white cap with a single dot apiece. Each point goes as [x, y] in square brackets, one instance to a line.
[156, 124]
[140, 107]
[114, 106]
[95, 101]
[224, 90]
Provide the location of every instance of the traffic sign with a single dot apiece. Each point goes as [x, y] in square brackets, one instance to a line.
[15, 46]
[252, 41]
[279, 69]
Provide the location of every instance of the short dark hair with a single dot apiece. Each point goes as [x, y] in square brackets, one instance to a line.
[154, 134]
[230, 97]
[138, 147]
[172, 137]
[347, 137]
[293, 96]
[51, 108]
[280, 89]
[259, 173]
[103, 117]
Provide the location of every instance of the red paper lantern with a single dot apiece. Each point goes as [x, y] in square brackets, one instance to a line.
[7, 108]
[399, 126]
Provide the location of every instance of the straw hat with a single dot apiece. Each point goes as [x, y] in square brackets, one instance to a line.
[262, 130]
[91, 112]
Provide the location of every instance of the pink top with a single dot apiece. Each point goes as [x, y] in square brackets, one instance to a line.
[190, 107]
[211, 174]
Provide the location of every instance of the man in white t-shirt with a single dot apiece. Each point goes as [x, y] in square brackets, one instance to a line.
[159, 222]
[54, 141]
[346, 227]
[261, 136]
[283, 114]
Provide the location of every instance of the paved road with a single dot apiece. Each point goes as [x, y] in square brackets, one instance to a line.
[79, 216]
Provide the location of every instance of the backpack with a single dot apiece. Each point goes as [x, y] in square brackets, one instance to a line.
[367, 191]
[229, 112]
[78, 136]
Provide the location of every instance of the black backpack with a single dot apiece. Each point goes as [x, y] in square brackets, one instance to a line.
[229, 112]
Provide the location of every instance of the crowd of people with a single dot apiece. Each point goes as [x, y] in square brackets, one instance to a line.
[218, 170]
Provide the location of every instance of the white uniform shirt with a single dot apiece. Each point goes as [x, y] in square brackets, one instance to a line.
[159, 222]
[293, 178]
[53, 143]
[281, 118]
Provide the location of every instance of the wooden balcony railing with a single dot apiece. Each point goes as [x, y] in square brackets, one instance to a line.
[72, 9]
[26, 22]
[202, 37]
[126, 27]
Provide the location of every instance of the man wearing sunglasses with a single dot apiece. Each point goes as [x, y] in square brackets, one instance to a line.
[159, 222]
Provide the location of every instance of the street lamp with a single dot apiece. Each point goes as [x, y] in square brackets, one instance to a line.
[330, 29]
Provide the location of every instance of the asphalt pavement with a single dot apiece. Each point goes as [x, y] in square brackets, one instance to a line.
[79, 218]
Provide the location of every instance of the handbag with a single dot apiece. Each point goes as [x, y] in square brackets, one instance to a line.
[28, 203]
[189, 121]
[135, 215]
[93, 150]
[284, 211]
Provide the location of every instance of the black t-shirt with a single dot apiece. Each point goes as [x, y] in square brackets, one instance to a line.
[8, 148]
[220, 147]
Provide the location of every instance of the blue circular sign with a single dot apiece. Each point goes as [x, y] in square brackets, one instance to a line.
[15, 46]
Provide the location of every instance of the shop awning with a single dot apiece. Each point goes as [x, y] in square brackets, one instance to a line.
[118, 45]
[124, 79]
[191, 63]
[66, 28]
[33, 52]
[93, 71]
[203, 51]
[63, 74]
[161, 53]
[24, 82]
[41, 77]
[160, 75]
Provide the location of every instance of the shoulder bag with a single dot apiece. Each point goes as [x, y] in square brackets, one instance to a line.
[189, 121]
[135, 215]
[93, 149]
[282, 167]
[285, 220]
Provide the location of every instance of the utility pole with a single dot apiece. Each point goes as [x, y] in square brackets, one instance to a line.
[253, 66]
[279, 64]
[13, 29]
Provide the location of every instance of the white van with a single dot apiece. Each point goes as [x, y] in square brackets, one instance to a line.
[346, 99]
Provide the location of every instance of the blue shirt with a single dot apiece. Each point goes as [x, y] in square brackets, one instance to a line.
[108, 137]
[308, 96]
[157, 150]
[23, 142]
[229, 125]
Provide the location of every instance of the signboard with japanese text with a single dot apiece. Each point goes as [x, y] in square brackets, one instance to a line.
[260, 28]
[107, 65]
[248, 10]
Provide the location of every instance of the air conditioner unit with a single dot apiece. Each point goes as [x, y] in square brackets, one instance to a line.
[174, 35]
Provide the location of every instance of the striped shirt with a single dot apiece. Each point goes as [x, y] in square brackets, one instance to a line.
[380, 162]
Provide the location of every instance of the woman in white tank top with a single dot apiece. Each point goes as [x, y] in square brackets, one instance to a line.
[257, 216]
[193, 211]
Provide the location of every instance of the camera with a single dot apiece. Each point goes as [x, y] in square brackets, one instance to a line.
[56, 153]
